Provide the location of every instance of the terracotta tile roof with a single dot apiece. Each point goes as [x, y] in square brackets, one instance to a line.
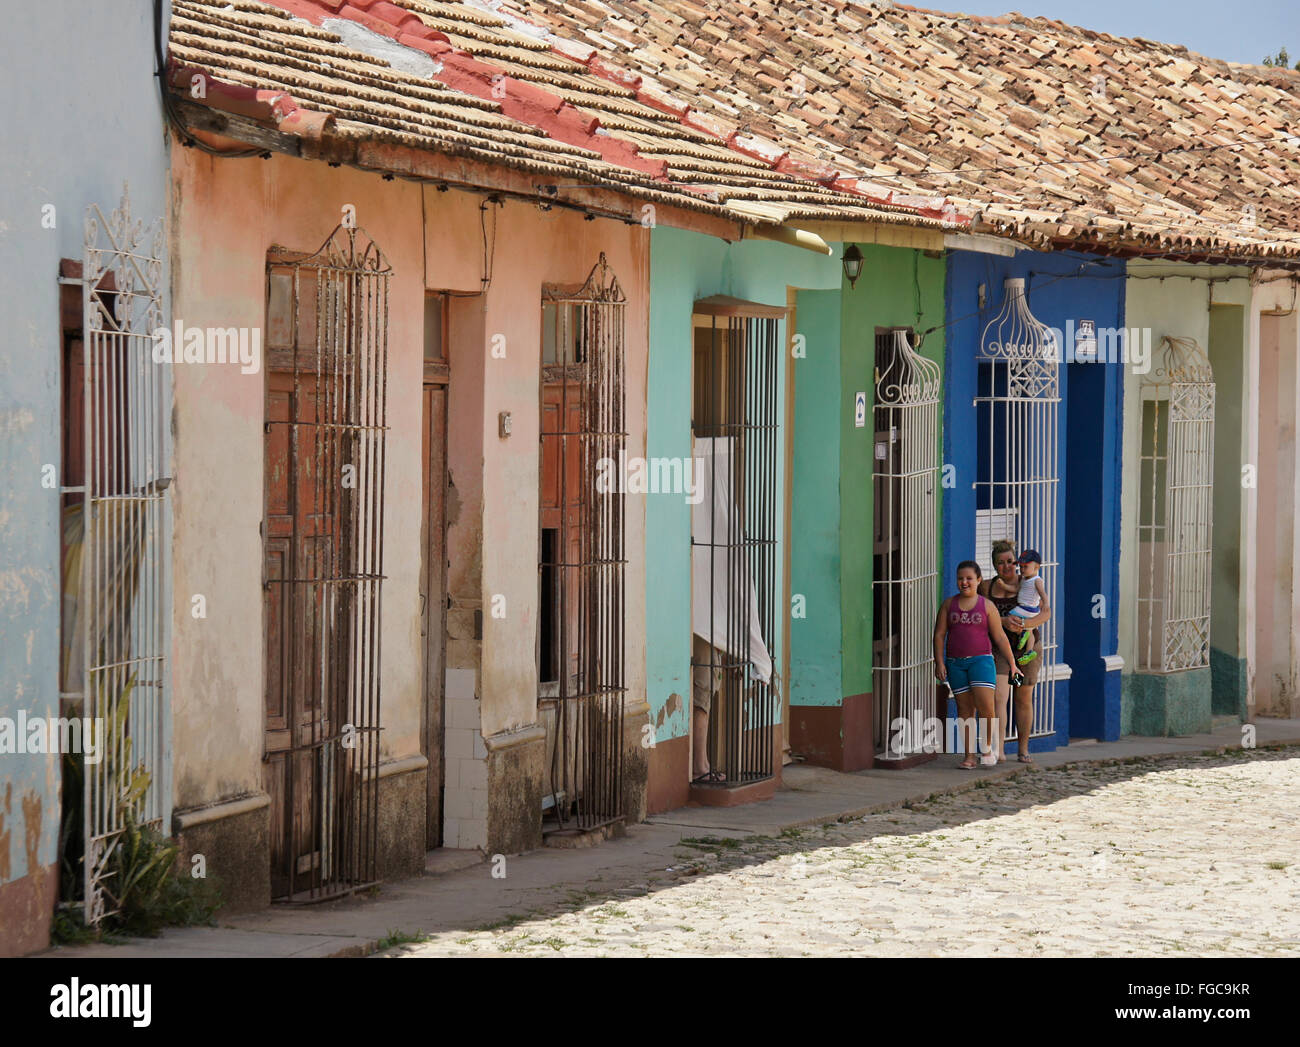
[460, 79]
[1059, 136]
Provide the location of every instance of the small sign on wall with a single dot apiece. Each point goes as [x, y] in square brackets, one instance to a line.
[860, 410]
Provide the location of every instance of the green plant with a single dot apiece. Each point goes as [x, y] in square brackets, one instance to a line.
[396, 937]
[141, 888]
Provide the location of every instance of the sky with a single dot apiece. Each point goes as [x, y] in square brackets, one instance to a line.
[1237, 30]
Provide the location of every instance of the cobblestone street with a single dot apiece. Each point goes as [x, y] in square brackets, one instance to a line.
[1197, 855]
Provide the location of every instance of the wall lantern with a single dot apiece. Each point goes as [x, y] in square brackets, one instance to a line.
[852, 262]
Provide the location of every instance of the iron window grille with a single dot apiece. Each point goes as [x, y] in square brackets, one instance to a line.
[905, 585]
[1175, 517]
[114, 663]
[581, 550]
[325, 429]
[1018, 409]
[734, 531]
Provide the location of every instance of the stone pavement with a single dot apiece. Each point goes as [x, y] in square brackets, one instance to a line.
[998, 871]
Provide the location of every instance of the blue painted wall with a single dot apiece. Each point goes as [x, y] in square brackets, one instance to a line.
[1060, 286]
[82, 116]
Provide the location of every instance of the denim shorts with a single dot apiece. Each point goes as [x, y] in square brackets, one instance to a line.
[975, 671]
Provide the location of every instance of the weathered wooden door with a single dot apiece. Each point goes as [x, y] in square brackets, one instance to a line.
[299, 534]
[433, 599]
[581, 554]
[326, 391]
[561, 511]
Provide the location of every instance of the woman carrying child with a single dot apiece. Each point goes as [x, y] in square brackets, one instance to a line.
[1005, 590]
[970, 625]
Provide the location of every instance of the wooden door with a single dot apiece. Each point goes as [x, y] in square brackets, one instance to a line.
[433, 600]
[561, 512]
[298, 618]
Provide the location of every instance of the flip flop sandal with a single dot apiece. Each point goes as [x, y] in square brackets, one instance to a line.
[1026, 758]
[712, 776]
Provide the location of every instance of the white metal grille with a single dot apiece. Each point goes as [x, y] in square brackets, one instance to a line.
[1018, 425]
[906, 527]
[124, 633]
[1176, 512]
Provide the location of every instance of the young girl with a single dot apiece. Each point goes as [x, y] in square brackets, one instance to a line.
[970, 625]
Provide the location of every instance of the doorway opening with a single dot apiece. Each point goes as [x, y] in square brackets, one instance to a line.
[1018, 427]
[905, 568]
[581, 554]
[734, 577]
[433, 565]
[323, 542]
[114, 620]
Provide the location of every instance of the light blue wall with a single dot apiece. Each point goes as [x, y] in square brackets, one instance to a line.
[685, 267]
[82, 115]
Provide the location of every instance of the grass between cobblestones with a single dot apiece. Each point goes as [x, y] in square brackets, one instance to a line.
[1141, 856]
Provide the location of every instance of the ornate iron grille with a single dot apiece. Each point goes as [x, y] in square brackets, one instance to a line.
[1018, 424]
[325, 428]
[120, 681]
[733, 534]
[1176, 512]
[906, 525]
[581, 549]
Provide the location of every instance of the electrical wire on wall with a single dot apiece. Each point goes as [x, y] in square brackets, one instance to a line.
[489, 253]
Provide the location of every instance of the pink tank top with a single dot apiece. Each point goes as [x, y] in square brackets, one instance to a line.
[968, 631]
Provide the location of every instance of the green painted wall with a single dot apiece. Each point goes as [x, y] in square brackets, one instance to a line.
[816, 638]
[1227, 357]
[898, 287]
[684, 267]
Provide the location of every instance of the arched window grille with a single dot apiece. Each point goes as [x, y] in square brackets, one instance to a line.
[733, 531]
[581, 556]
[115, 639]
[906, 481]
[1176, 509]
[1018, 410]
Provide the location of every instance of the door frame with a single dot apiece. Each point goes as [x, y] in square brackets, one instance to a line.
[433, 719]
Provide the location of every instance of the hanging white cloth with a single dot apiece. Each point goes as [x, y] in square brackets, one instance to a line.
[717, 593]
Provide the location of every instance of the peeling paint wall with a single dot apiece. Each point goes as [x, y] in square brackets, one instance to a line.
[229, 213]
[82, 117]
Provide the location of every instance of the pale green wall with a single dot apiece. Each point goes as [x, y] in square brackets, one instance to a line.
[898, 287]
[1227, 343]
[816, 638]
[683, 268]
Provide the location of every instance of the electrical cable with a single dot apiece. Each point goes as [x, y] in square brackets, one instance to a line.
[169, 103]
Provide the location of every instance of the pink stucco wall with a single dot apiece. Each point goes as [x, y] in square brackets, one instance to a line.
[226, 214]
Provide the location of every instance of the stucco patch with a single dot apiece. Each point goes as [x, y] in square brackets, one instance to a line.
[669, 709]
[32, 822]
